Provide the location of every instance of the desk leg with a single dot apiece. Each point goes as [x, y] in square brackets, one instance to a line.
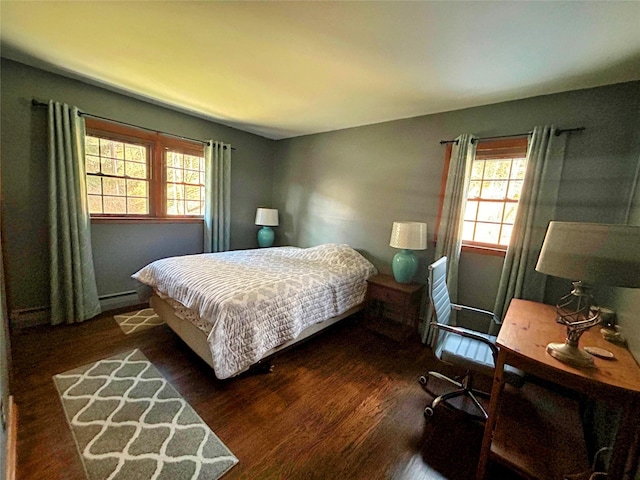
[494, 408]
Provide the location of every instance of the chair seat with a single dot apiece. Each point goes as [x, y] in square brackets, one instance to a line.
[474, 355]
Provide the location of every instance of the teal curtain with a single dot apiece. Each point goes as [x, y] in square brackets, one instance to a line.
[217, 208]
[74, 295]
[449, 241]
[536, 208]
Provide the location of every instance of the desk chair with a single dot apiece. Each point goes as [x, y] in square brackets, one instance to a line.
[476, 352]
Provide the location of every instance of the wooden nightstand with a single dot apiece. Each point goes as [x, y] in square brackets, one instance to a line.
[383, 294]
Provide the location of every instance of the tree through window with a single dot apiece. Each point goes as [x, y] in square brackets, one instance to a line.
[496, 181]
[139, 174]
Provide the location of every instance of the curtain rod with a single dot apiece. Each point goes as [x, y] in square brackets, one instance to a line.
[37, 103]
[559, 132]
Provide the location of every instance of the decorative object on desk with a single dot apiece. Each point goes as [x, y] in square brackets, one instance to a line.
[587, 253]
[599, 352]
[267, 218]
[614, 335]
[408, 236]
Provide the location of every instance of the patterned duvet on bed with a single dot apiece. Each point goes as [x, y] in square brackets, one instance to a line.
[255, 300]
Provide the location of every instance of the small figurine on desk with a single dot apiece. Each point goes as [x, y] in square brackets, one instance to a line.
[610, 331]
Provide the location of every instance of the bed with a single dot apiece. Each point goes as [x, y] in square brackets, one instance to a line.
[237, 308]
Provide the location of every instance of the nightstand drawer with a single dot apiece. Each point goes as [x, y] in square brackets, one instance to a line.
[388, 295]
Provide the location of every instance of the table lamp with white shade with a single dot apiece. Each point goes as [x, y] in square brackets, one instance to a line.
[407, 236]
[267, 218]
[587, 254]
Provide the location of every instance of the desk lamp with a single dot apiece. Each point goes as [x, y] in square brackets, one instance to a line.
[408, 236]
[267, 218]
[587, 253]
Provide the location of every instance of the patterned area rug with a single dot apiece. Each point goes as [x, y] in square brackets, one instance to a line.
[139, 320]
[129, 422]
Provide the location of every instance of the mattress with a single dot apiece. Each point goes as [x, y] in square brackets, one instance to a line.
[250, 301]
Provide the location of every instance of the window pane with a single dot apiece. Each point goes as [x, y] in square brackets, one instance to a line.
[175, 159]
[174, 175]
[115, 204]
[497, 169]
[487, 233]
[477, 169]
[114, 186]
[108, 166]
[135, 152]
[137, 188]
[175, 191]
[175, 207]
[467, 231]
[194, 208]
[118, 150]
[136, 170]
[519, 168]
[137, 206]
[192, 193]
[506, 234]
[471, 210]
[119, 167]
[94, 185]
[496, 189]
[510, 212]
[192, 177]
[106, 148]
[91, 146]
[92, 164]
[474, 189]
[95, 204]
[515, 187]
[490, 211]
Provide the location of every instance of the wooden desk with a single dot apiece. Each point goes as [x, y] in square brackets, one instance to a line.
[527, 329]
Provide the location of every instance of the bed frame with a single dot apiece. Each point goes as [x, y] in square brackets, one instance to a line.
[197, 340]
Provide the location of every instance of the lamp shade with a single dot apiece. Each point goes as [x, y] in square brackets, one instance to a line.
[409, 235]
[592, 253]
[267, 217]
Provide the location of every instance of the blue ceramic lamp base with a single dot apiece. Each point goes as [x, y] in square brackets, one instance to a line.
[404, 266]
[266, 236]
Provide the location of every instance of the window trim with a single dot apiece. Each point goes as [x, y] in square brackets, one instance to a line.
[157, 144]
[485, 149]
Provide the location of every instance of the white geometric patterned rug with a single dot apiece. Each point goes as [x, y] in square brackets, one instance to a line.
[129, 422]
[139, 320]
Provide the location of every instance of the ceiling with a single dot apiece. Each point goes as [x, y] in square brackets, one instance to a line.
[283, 69]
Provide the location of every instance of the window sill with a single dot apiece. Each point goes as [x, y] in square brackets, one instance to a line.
[116, 219]
[476, 249]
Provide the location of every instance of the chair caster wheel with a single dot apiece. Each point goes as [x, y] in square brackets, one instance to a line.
[422, 380]
[428, 412]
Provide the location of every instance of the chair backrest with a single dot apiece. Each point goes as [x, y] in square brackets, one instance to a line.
[438, 293]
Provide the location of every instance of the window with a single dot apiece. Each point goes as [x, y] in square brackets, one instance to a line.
[136, 174]
[494, 191]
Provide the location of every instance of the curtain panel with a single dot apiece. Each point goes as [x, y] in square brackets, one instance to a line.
[74, 295]
[449, 241]
[217, 208]
[537, 207]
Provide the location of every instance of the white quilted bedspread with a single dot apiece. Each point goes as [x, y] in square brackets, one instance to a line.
[250, 301]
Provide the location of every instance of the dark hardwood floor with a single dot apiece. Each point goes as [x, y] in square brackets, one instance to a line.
[344, 405]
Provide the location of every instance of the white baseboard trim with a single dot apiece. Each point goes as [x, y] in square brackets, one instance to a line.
[119, 300]
[30, 317]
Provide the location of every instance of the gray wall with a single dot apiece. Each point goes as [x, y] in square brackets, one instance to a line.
[626, 301]
[350, 185]
[119, 249]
